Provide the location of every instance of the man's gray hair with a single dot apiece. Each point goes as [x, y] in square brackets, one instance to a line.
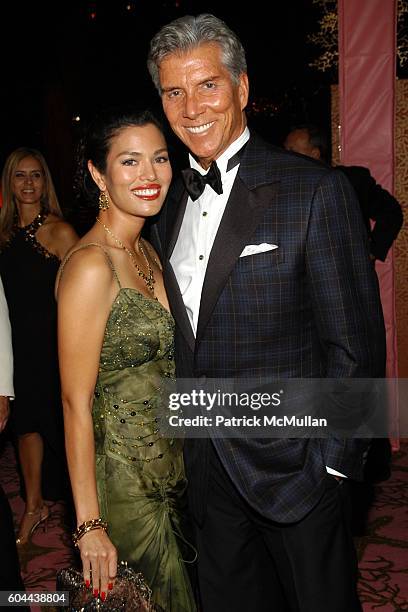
[188, 32]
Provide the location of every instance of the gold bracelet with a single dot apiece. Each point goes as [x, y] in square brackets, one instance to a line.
[90, 525]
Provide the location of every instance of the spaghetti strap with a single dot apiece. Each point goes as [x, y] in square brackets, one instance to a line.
[83, 246]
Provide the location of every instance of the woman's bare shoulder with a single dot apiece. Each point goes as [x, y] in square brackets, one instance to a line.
[59, 226]
[86, 254]
[86, 264]
[59, 235]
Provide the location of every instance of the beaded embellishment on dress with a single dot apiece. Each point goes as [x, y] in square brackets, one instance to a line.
[30, 231]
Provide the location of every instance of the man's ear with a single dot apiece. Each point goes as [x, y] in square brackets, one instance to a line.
[97, 176]
[315, 153]
[243, 90]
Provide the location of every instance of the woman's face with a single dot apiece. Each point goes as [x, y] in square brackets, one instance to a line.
[28, 181]
[138, 171]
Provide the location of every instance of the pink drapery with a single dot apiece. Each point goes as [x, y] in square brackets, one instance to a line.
[367, 41]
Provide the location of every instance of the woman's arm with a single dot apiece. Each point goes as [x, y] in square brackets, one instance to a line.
[85, 294]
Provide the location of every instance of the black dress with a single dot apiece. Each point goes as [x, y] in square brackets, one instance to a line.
[28, 272]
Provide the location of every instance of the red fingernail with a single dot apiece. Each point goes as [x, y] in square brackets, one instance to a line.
[110, 586]
[87, 583]
[103, 595]
[95, 592]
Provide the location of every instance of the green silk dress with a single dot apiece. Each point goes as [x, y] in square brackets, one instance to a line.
[140, 474]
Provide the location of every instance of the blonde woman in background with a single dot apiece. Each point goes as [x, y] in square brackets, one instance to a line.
[33, 240]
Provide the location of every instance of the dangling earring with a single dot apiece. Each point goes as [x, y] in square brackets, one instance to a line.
[103, 201]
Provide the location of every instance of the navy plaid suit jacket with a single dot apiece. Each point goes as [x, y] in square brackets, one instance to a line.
[309, 308]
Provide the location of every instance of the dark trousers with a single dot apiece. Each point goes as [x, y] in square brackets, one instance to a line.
[247, 563]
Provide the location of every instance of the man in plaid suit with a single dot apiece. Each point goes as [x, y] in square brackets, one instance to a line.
[268, 274]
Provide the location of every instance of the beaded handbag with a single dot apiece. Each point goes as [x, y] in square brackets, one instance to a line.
[130, 592]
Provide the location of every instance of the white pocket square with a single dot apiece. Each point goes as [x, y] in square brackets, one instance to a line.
[253, 249]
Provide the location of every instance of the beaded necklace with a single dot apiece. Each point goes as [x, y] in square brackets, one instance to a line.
[149, 277]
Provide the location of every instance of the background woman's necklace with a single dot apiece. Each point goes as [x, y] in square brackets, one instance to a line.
[148, 278]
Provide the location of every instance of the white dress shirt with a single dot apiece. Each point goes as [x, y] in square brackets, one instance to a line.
[6, 351]
[198, 230]
[199, 227]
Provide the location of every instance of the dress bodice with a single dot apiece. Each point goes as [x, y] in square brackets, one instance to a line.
[128, 345]
[28, 271]
[136, 368]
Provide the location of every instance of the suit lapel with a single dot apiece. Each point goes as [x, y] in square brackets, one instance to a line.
[242, 215]
[177, 306]
[177, 205]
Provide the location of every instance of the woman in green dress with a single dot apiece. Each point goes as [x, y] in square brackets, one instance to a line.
[115, 336]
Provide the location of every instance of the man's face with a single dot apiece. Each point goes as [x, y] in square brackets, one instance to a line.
[298, 141]
[204, 107]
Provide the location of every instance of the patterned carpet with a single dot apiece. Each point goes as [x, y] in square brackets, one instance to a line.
[382, 550]
[48, 550]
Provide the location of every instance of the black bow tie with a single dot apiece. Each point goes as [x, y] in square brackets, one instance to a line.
[195, 182]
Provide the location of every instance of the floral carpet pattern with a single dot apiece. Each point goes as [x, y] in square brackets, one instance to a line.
[382, 550]
[50, 549]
